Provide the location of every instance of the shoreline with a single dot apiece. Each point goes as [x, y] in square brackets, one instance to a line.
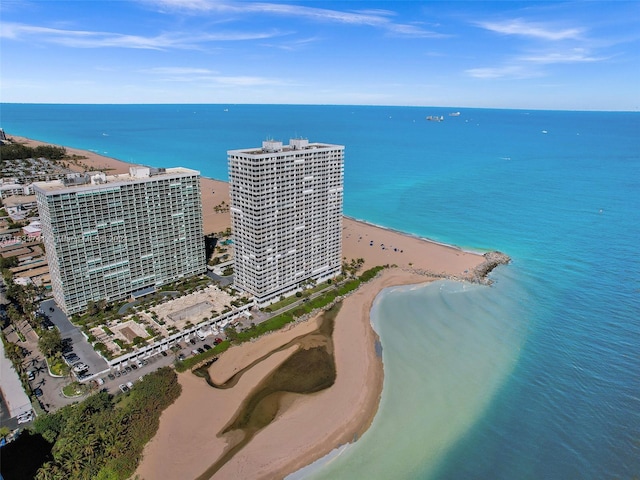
[413, 235]
[187, 443]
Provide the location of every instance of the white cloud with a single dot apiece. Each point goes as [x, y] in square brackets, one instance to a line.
[413, 31]
[577, 55]
[88, 39]
[178, 71]
[371, 17]
[206, 76]
[525, 28]
[505, 71]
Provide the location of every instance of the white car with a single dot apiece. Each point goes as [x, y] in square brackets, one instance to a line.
[130, 385]
[80, 367]
[25, 417]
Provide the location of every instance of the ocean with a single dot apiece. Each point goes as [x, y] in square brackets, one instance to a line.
[537, 376]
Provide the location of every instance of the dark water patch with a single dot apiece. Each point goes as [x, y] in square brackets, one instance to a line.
[378, 347]
[22, 458]
[310, 369]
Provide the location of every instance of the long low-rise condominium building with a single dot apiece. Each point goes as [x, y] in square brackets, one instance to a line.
[286, 215]
[111, 237]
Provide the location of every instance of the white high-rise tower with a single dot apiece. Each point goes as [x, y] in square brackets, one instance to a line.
[286, 215]
[111, 236]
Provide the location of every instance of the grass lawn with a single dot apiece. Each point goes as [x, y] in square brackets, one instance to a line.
[59, 368]
[74, 389]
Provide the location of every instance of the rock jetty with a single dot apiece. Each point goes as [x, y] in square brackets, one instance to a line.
[491, 260]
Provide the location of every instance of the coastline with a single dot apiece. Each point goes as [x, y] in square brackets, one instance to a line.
[308, 426]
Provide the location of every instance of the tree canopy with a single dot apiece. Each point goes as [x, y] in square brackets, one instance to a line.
[50, 342]
[103, 437]
[15, 151]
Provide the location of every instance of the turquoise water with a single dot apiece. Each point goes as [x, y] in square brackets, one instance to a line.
[535, 377]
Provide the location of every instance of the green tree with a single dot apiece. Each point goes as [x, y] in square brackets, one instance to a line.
[50, 343]
[102, 437]
[9, 262]
[14, 353]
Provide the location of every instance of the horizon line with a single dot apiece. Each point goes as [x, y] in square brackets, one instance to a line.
[454, 107]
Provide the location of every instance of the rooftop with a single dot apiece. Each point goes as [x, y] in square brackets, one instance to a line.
[93, 180]
[271, 146]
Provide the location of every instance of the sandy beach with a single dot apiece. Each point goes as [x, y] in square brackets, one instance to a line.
[308, 426]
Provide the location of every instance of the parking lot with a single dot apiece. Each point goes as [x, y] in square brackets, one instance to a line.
[132, 372]
[79, 344]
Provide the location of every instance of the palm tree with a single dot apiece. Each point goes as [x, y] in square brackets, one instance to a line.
[50, 471]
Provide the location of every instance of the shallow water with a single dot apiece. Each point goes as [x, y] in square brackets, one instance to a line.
[447, 349]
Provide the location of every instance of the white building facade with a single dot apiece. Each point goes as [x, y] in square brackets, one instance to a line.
[108, 237]
[286, 215]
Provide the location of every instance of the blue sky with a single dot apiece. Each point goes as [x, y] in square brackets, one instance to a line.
[507, 54]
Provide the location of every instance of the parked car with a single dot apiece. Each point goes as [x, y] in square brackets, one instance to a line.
[47, 324]
[31, 375]
[195, 352]
[163, 353]
[37, 392]
[192, 341]
[217, 341]
[200, 350]
[80, 367]
[123, 388]
[130, 385]
[71, 358]
[111, 376]
[25, 417]
[206, 346]
[181, 357]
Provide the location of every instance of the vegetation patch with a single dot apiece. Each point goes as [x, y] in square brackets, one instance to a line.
[187, 363]
[58, 367]
[74, 389]
[18, 151]
[103, 436]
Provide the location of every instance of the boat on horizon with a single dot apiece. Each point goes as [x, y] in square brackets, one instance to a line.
[454, 114]
[435, 118]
